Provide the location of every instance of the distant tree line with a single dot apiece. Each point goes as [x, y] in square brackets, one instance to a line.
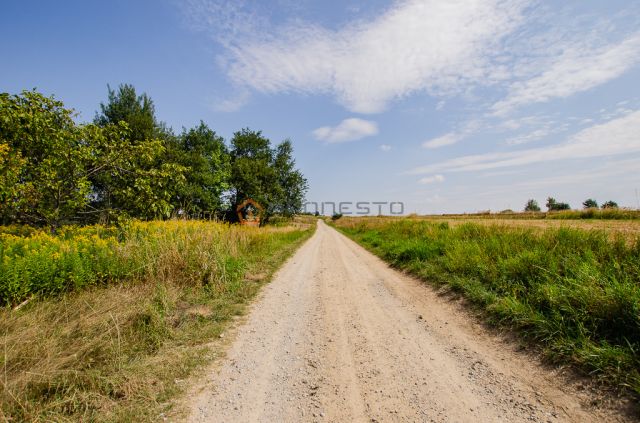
[554, 205]
[128, 164]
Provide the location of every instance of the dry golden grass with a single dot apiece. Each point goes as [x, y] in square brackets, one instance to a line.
[627, 228]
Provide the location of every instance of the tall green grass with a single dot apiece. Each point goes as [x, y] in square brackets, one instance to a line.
[117, 319]
[575, 292]
[36, 263]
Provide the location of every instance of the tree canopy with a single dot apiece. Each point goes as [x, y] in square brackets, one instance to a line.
[266, 174]
[532, 206]
[128, 164]
[554, 205]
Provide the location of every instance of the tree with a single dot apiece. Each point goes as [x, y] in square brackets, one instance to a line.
[252, 175]
[138, 111]
[532, 206]
[590, 204]
[553, 205]
[205, 155]
[264, 174]
[45, 180]
[610, 205]
[147, 177]
[11, 168]
[129, 179]
[293, 186]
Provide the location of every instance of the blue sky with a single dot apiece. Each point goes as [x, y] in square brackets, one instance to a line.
[444, 105]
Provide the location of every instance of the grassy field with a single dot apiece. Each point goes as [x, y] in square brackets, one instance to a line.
[575, 292]
[103, 325]
[585, 214]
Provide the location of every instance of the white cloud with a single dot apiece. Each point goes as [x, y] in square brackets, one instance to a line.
[615, 137]
[233, 103]
[578, 68]
[431, 179]
[416, 45]
[442, 141]
[438, 47]
[348, 130]
[534, 135]
[385, 147]
[453, 137]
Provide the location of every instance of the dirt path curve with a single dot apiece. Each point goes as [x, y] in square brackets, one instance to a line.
[339, 336]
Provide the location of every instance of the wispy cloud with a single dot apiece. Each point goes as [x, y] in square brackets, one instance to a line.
[348, 130]
[442, 141]
[615, 137]
[454, 137]
[578, 68]
[416, 45]
[431, 179]
[441, 48]
[232, 103]
[385, 147]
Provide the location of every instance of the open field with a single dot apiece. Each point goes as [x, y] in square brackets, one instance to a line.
[116, 319]
[585, 214]
[628, 228]
[572, 289]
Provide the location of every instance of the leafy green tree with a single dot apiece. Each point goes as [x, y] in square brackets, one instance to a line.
[252, 175]
[532, 206]
[129, 180]
[137, 111]
[553, 205]
[291, 183]
[590, 204]
[205, 155]
[49, 153]
[610, 205]
[147, 176]
[267, 175]
[11, 168]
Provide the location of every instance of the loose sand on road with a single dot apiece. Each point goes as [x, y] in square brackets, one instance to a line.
[339, 336]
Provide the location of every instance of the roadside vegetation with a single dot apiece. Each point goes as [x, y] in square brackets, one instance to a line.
[104, 324]
[111, 293]
[127, 164]
[596, 214]
[575, 293]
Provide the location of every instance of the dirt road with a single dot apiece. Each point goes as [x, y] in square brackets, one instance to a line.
[339, 336]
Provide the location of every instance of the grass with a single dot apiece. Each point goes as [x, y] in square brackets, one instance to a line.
[576, 293]
[118, 319]
[600, 214]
